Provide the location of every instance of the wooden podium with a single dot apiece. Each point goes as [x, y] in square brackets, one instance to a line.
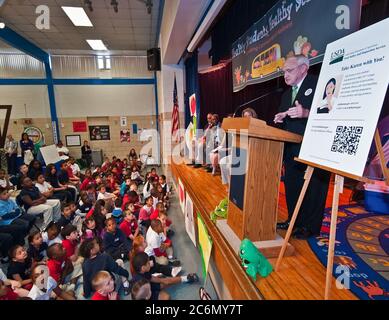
[253, 205]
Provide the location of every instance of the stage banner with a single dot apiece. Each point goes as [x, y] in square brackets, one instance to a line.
[347, 104]
[291, 27]
[205, 244]
[189, 219]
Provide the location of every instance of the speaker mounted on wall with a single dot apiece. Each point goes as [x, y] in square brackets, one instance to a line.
[154, 59]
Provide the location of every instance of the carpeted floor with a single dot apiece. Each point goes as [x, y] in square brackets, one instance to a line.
[362, 246]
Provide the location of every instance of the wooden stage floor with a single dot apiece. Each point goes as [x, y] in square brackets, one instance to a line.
[301, 277]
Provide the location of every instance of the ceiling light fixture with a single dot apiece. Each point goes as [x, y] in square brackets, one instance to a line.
[97, 45]
[115, 5]
[78, 16]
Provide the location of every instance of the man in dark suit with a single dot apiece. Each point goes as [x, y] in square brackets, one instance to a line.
[293, 115]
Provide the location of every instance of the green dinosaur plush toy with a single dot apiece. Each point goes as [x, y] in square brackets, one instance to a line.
[221, 211]
[253, 260]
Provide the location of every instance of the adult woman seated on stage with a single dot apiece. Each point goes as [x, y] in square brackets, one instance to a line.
[218, 137]
[225, 163]
[52, 178]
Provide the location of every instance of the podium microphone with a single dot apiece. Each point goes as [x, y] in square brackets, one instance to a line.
[278, 90]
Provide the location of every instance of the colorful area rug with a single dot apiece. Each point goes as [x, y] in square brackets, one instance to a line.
[362, 245]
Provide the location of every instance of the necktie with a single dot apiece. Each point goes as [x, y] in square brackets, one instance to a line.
[295, 90]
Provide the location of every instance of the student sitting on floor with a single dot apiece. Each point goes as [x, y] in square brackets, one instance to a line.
[129, 225]
[37, 249]
[5, 181]
[69, 235]
[61, 268]
[115, 242]
[99, 213]
[11, 218]
[51, 234]
[104, 286]
[136, 176]
[154, 175]
[139, 245]
[146, 212]
[141, 290]
[158, 245]
[142, 267]
[91, 194]
[88, 180]
[66, 216]
[7, 293]
[117, 212]
[96, 261]
[45, 287]
[89, 230]
[84, 204]
[19, 268]
[132, 197]
[109, 198]
[125, 186]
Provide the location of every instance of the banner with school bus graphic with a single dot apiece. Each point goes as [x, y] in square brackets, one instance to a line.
[291, 27]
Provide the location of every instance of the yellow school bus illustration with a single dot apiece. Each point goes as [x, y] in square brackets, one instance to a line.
[267, 62]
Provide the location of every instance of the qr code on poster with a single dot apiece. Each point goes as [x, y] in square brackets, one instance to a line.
[347, 140]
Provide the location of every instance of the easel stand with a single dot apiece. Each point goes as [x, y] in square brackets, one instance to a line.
[339, 184]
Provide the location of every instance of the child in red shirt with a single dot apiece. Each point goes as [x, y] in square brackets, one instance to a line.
[6, 293]
[104, 286]
[146, 212]
[88, 180]
[129, 225]
[59, 266]
[70, 236]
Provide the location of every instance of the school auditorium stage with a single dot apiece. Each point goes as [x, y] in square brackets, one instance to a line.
[301, 276]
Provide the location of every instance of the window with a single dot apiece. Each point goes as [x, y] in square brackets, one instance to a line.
[104, 62]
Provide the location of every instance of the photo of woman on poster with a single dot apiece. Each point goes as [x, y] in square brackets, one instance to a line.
[329, 99]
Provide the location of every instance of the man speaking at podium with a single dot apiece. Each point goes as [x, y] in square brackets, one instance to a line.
[293, 115]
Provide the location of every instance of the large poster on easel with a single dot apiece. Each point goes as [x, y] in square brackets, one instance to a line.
[348, 101]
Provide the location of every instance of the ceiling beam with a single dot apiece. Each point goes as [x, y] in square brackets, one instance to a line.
[18, 42]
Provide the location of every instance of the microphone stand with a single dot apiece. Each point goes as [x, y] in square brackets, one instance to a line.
[278, 90]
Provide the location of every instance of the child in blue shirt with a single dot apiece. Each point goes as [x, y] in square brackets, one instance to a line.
[125, 185]
[12, 219]
[117, 213]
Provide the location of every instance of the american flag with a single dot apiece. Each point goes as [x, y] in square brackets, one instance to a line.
[176, 115]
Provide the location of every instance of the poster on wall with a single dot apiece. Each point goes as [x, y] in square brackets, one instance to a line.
[193, 112]
[80, 126]
[35, 134]
[291, 28]
[125, 135]
[348, 100]
[97, 133]
[73, 140]
[205, 245]
[189, 219]
[181, 195]
[123, 121]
